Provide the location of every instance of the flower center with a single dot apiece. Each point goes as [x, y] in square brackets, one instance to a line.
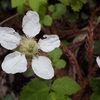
[28, 46]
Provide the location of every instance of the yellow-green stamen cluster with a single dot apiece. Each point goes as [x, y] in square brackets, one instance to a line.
[28, 46]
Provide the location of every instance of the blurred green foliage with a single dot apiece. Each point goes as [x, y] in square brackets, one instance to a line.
[95, 85]
[55, 57]
[45, 90]
[57, 10]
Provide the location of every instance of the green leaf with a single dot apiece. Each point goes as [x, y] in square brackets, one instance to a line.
[47, 20]
[72, 17]
[84, 1]
[56, 15]
[55, 96]
[55, 54]
[65, 85]
[36, 89]
[20, 9]
[65, 2]
[60, 9]
[16, 3]
[95, 84]
[76, 5]
[95, 96]
[52, 8]
[60, 64]
[38, 6]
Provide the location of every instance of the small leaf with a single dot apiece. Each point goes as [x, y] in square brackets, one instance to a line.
[95, 96]
[56, 15]
[60, 9]
[60, 64]
[47, 20]
[76, 5]
[65, 85]
[65, 2]
[38, 6]
[95, 84]
[55, 54]
[51, 8]
[36, 89]
[16, 3]
[72, 17]
[20, 9]
[55, 96]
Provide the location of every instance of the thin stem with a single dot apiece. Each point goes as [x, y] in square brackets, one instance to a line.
[4, 21]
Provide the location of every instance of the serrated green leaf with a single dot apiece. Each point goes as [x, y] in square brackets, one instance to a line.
[65, 85]
[16, 3]
[65, 2]
[84, 1]
[47, 20]
[76, 5]
[38, 6]
[36, 89]
[60, 64]
[55, 54]
[95, 96]
[52, 8]
[55, 96]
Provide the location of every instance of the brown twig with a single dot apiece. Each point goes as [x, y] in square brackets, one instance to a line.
[4, 21]
[89, 42]
[73, 62]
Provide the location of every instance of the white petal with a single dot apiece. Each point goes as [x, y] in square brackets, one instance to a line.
[30, 15]
[9, 39]
[42, 67]
[31, 29]
[14, 63]
[98, 61]
[49, 43]
[30, 24]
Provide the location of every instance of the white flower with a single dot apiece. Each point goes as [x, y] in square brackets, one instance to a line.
[16, 62]
[98, 61]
